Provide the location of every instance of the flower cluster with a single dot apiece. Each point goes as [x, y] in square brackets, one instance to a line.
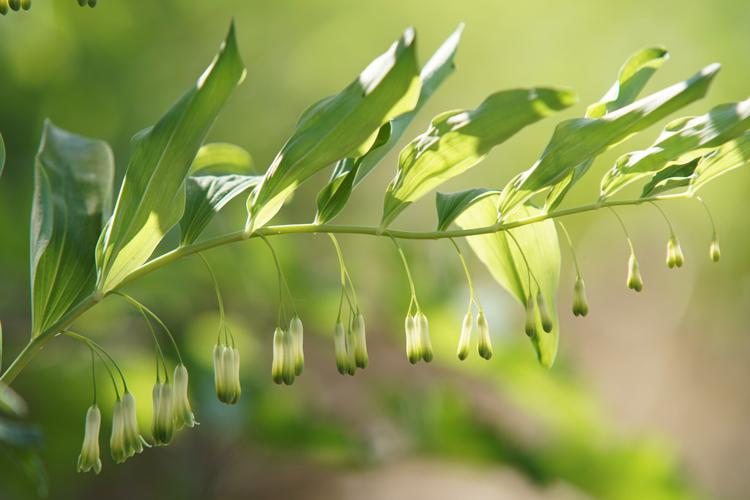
[350, 346]
[227, 373]
[16, 5]
[288, 354]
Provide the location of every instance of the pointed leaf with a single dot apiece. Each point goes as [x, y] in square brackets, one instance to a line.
[451, 205]
[579, 140]
[152, 197]
[633, 76]
[672, 177]
[206, 195]
[344, 125]
[335, 194]
[458, 140]
[723, 159]
[723, 123]
[506, 263]
[72, 198]
[221, 158]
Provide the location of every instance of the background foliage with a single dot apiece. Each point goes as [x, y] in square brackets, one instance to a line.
[646, 400]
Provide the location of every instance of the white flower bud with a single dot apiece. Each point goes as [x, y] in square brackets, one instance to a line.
[485, 342]
[412, 349]
[277, 365]
[544, 312]
[287, 370]
[423, 334]
[339, 345]
[464, 341]
[530, 324]
[360, 342]
[183, 413]
[635, 281]
[715, 251]
[89, 457]
[227, 373]
[580, 304]
[295, 330]
[162, 424]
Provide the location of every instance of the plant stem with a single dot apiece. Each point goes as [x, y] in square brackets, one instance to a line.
[38, 342]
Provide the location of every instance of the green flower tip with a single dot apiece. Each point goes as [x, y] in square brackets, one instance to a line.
[89, 457]
[530, 324]
[675, 258]
[288, 355]
[580, 303]
[485, 342]
[544, 312]
[340, 350]
[227, 373]
[635, 281]
[162, 424]
[464, 341]
[361, 359]
[183, 413]
[297, 334]
[423, 335]
[15, 4]
[714, 250]
[126, 439]
[25, 4]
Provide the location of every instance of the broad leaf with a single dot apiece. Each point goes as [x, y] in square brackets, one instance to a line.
[349, 172]
[341, 126]
[458, 140]
[451, 205]
[72, 199]
[152, 197]
[674, 176]
[206, 195]
[723, 123]
[633, 76]
[222, 158]
[725, 158]
[505, 262]
[579, 140]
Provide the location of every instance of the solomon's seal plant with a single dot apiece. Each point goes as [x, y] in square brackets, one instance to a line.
[89, 240]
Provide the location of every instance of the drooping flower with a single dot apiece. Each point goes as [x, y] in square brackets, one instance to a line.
[530, 324]
[360, 342]
[423, 334]
[126, 439]
[544, 312]
[117, 439]
[464, 341]
[714, 250]
[162, 426]
[288, 367]
[227, 373]
[89, 457]
[340, 350]
[580, 304]
[296, 332]
[675, 258]
[635, 281]
[484, 345]
[413, 352]
[183, 413]
[277, 364]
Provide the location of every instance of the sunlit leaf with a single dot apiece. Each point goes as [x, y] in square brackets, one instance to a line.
[725, 158]
[721, 124]
[221, 158]
[73, 178]
[349, 172]
[340, 126]
[506, 263]
[458, 140]
[672, 177]
[579, 140]
[633, 76]
[451, 205]
[206, 195]
[152, 197]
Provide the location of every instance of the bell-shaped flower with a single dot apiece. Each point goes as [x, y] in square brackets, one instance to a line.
[296, 332]
[580, 304]
[635, 281]
[227, 373]
[423, 334]
[530, 324]
[413, 351]
[126, 439]
[162, 424]
[360, 342]
[183, 414]
[89, 457]
[714, 250]
[544, 312]
[464, 340]
[484, 346]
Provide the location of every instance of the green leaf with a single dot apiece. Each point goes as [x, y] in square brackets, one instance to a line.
[632, 78]
[723, 159]
[341, 126]
[349, 172]
[721, 124]
[152, 197]
[672, 177]
[451, 205]
[206, 195]
[579, 140]
[73, 178]
[11, 403]
[2, 155]
[506, 263]
[222, 158]
[458, 140]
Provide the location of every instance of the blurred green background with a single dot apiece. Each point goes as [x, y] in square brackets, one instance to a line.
[648, 399]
